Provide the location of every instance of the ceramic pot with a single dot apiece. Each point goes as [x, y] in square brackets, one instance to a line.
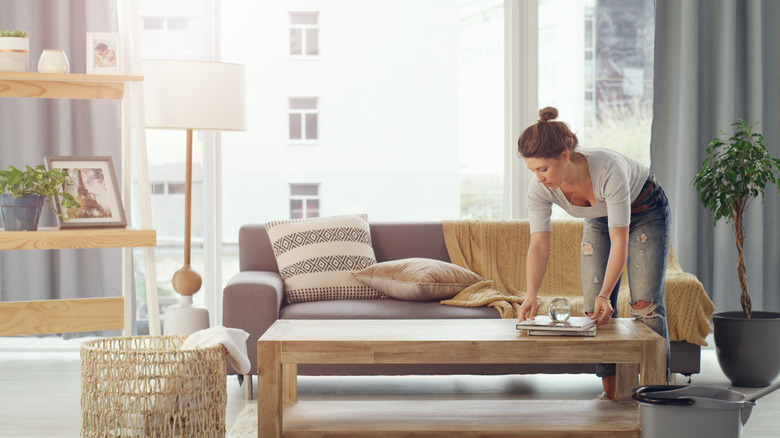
[14, 54]
[53, 61]
[747, 349]
[21, 214]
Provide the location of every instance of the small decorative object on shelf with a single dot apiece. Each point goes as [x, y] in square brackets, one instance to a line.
[22, 193]
[560, 309]
[104, 54]
[53, 61]
[92, 182]
[14, 50]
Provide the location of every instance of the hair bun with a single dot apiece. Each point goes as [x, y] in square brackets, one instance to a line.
[548, 113]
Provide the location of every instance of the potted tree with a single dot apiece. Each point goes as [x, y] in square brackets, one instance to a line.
[14, 50]
[22, 194]
[736, 171]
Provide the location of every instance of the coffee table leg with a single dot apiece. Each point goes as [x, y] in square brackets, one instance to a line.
[269, 389]
[654, 368]
[627, 375]
[289, 383]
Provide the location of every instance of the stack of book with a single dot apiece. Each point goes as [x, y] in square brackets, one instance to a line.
[545, 326]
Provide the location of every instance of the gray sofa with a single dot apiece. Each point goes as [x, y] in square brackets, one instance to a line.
[254, 298]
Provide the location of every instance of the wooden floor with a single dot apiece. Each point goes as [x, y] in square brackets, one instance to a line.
[39, 390]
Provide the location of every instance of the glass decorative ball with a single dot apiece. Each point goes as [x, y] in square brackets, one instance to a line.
[560, 309]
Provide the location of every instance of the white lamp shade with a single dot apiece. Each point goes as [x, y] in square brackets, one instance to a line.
[199, 95]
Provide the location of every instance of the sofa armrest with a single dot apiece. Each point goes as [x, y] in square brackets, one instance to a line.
[251, 301]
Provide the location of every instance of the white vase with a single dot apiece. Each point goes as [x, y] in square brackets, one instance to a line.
[14, 54]
[53, 61]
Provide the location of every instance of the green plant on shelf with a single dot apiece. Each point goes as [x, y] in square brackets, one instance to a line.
[39, 181]
[13, 33]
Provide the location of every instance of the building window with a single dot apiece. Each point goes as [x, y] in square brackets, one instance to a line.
[165, 23]
[304, 34]
[304, 201]
[589, 70]
[303, 118]
[153, 23]
[176, 188]
[167, 188]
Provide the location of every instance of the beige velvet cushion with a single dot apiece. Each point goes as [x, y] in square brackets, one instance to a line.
[316, 257]
[418, 279]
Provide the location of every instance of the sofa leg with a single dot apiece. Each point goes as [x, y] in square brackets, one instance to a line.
[248, 390]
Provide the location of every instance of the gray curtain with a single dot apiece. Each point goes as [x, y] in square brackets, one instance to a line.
[34, 128]
[717, 62]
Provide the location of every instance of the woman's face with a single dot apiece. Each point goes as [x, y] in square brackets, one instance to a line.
[548, 171]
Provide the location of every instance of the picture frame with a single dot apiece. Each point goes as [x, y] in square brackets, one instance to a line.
[94, 185]
[105, 53]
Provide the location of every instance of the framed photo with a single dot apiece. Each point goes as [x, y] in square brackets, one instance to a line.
[93, 184]
[104, 53]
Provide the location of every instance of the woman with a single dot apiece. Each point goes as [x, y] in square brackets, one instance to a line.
[626, 221]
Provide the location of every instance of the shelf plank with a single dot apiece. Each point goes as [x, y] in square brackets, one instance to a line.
[64, 86]
[53, 238]
[461, 418]
[61, 316]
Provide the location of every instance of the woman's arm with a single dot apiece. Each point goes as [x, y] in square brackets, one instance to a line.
[535, 266]
[616, 263]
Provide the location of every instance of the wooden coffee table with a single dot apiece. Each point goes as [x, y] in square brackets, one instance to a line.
[637, 351]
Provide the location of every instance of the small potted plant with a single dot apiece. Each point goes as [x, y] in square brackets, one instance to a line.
[22, 193]
[736, 171]
[14, 50]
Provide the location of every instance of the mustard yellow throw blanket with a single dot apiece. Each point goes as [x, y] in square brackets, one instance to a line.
[497, 249]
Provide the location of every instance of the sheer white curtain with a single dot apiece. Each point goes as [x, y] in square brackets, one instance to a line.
[34, 128]
[717, 62]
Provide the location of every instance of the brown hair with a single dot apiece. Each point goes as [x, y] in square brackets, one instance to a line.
[547, 138]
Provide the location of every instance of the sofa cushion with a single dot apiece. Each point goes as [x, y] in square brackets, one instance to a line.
[417, 279]
[317, 256]
[387, 308]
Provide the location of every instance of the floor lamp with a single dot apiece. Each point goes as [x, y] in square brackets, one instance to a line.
[192, 95]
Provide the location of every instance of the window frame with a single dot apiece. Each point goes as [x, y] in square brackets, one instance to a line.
[303, 113]
[305, 199]
[165, 21]
[304, 29]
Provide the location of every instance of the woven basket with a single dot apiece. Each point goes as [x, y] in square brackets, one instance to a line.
[145, 386]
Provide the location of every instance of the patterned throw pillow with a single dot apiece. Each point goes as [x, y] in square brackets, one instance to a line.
[316, 257]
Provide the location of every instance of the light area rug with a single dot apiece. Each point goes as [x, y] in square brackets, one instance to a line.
[245, 425]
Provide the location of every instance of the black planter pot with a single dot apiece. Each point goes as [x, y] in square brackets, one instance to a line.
[21, 214]
[747, 349]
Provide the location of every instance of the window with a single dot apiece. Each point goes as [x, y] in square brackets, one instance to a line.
[416, 122]
[304, 201]
[153, 23]
[178, 24]
[168, 188]
[176, 188]
[165, 23]
[596, 67]
[303, 118]
[603, 83]
[304, 34]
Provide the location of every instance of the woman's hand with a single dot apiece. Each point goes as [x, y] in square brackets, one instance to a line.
[529, 307]
[603, 311]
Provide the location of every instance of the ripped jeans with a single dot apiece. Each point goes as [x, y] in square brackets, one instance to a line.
[648, 252]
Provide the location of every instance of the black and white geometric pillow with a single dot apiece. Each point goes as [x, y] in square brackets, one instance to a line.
[317, 256]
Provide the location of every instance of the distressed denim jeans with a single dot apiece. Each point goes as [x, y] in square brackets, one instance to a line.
[648, 252]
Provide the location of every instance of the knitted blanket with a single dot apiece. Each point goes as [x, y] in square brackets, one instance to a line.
[497, 249]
